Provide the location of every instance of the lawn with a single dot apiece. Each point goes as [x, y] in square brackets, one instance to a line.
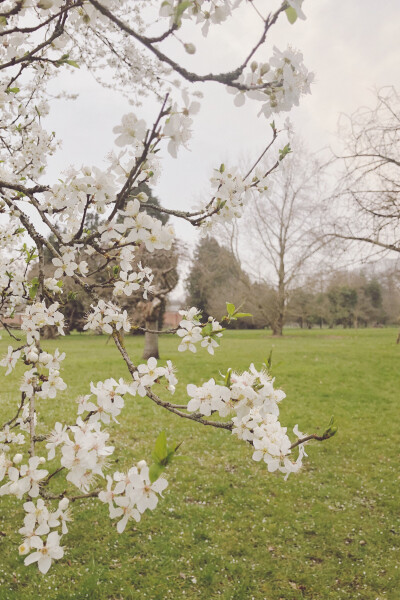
[226, 528]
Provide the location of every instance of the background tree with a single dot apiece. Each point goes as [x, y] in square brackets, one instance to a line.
[148, 314]
[75, 304]
[282, 229]
[215, 277]
[369, 187]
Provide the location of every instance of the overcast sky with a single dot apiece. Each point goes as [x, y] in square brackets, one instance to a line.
[351, 46]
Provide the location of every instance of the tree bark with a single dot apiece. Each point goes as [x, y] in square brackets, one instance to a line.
[49, 332]
[151, 341]
[151, 312]
[280, 302]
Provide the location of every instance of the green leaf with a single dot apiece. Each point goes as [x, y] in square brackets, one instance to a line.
[13, 90]
[180, 9]
[331, 429]
[33, 292]
[170, 456]
[268, 361]
[242, 315]
[155, 472]
[160, 448]
[162, 456]
[227, 381]
[291, 15]
[73, 63]
[286, 150]
[34, 288]
[230, 308]
[207, 329]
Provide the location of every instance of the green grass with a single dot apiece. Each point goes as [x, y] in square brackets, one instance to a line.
[226, 528]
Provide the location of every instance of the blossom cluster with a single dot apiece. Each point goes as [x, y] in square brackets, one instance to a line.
[7, 437]
[37, 316]
[138, 227]
[86, 454]
[192, 331]
[23, 479]
[203, 12]
[107, 316]
[254, 401]
[34, 380]
[278, 83]
[66, 265]
[132, 495]
[13, 286]
[39, 522]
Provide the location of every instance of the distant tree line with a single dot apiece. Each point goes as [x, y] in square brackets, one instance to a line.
[344, 298]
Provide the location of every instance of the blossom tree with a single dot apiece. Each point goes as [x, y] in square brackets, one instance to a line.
[126, 41]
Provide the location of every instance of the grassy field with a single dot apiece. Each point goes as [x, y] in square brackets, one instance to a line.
[226, 528]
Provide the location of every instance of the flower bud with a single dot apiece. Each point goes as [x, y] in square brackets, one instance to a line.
[142, 197]
[254, 66]
[264, 68]
[42, 460]
[44, 358]
[32, 356]
[190, 48]
[63, 504]
[141, 464]
[17, 459]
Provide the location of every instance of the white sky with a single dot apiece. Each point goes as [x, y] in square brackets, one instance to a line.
[351, 46]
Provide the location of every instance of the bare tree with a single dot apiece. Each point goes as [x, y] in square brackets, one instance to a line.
[369, 187]
[283, 228]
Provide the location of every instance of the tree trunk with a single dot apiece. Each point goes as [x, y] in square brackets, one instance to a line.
[49, 332]
[151, 341]
[277, 326]
[281, 298]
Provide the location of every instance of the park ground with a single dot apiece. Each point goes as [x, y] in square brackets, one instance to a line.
[226, 528]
